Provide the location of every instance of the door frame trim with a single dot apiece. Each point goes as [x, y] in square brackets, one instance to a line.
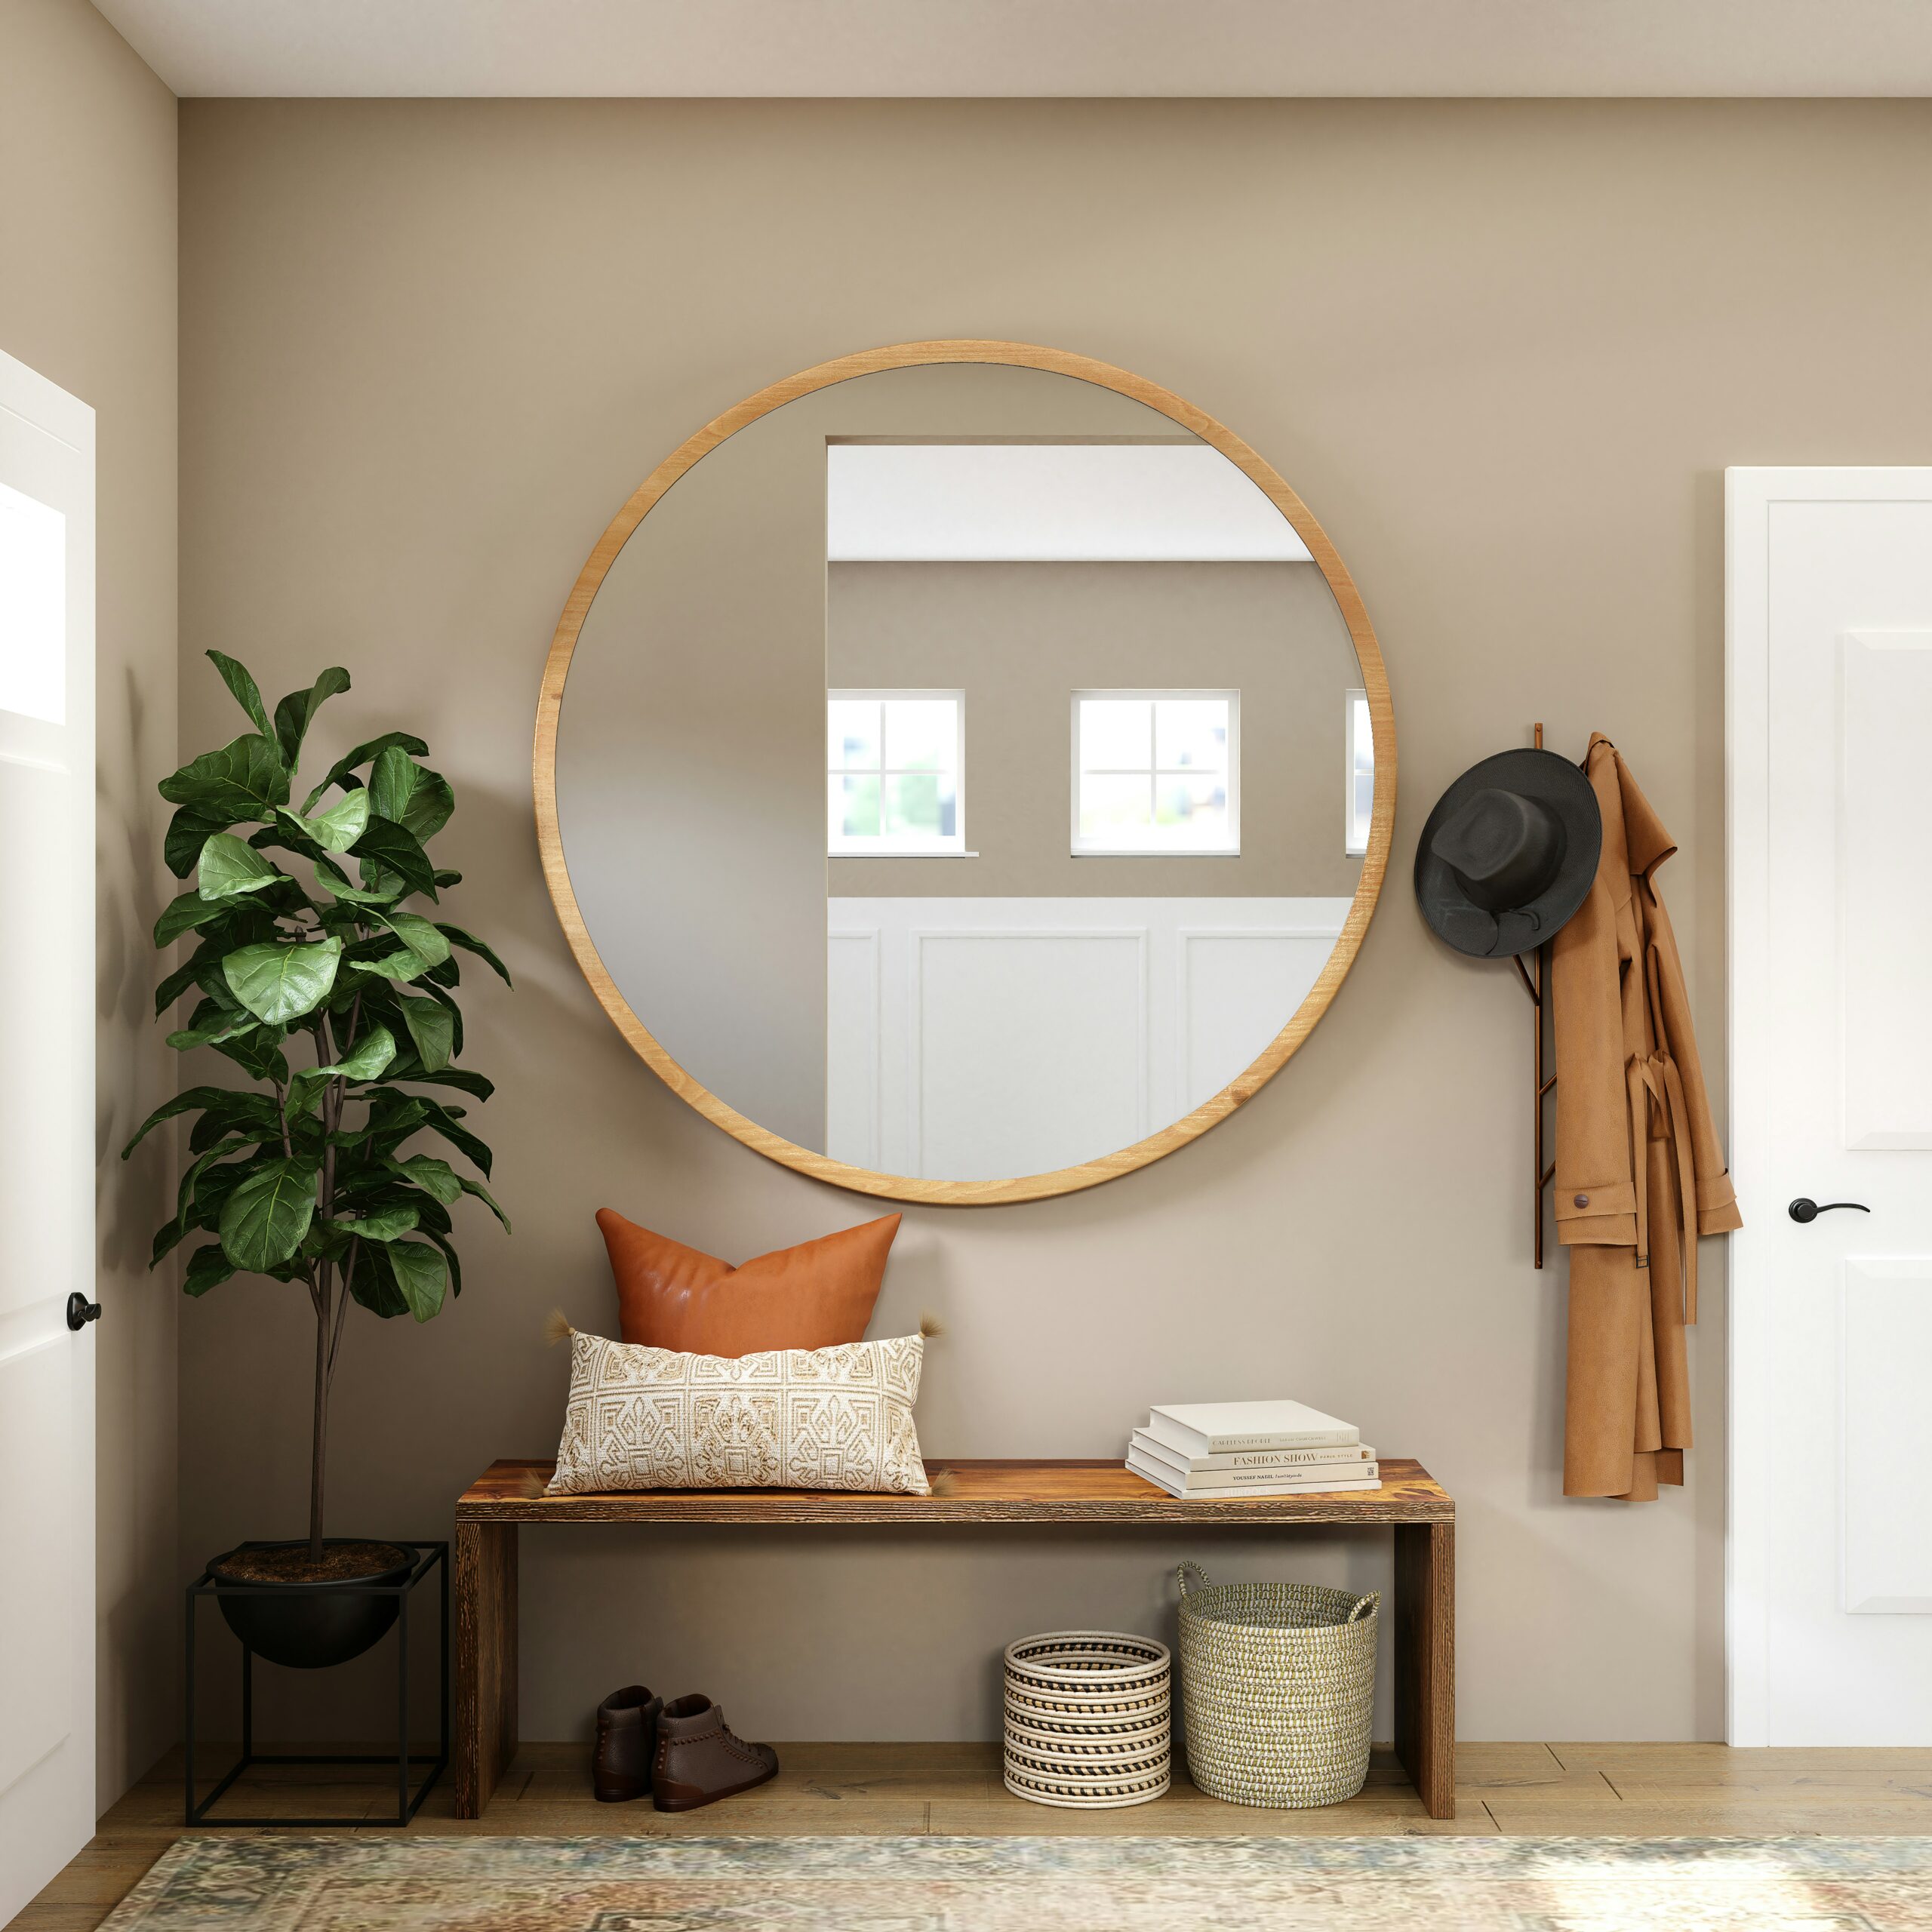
[1750, 495]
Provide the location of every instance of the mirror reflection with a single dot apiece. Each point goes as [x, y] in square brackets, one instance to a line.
[963, 773]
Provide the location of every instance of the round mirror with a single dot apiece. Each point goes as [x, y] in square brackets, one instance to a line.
[965, 771]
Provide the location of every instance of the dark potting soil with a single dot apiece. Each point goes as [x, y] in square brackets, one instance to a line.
[341, 1563]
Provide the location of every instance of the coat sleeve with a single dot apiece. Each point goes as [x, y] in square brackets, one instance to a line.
[1596, 1199]
[1717, 1198]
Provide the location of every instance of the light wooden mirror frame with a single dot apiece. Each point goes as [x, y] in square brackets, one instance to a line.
[903, 1187]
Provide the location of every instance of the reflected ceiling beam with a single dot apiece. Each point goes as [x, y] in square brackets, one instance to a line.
[1048, 503]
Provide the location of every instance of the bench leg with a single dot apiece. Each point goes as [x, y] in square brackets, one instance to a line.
[1426, 1661]
[485, 1660]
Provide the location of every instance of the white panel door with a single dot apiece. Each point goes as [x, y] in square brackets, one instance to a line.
[47, 1246]
[1830, 614]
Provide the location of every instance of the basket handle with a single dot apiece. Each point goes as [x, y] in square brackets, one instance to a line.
[1181, 1573]
[1366, 1606]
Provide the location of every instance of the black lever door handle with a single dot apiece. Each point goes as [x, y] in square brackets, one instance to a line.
[1805, 1209]
[81, 1312]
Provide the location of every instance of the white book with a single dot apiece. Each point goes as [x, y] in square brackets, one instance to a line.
[1288, 1461]
[1208, 1481]
[1175, 1486]
[1221, 1428]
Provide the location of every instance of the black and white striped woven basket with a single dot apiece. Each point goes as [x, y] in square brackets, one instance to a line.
[1089, 1722]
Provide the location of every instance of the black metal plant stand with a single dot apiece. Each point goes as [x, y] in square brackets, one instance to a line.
[430, 1556]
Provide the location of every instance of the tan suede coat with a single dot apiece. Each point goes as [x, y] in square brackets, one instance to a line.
[1639, 1172]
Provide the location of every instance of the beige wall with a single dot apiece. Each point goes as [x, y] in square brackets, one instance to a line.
[1020, 638]
[1503, 351]
[87, 288]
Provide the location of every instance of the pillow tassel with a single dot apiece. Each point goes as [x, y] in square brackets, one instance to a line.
[557, 1327]
[931, 1327]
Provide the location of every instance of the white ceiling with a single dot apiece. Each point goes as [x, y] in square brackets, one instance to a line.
[1035, 503]
[1042, 48]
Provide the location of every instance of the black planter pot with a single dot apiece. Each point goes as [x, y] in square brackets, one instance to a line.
[308, 1626]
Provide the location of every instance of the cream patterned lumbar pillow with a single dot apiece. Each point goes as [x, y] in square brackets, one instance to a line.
[838, 1418]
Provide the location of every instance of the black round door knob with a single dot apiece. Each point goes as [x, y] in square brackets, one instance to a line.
[80, 1311]
[1805, 1209]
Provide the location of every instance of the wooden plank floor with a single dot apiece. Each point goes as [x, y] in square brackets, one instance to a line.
[1614, 1789]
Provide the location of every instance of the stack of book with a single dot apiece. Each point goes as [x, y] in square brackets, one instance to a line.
[1250, 1449]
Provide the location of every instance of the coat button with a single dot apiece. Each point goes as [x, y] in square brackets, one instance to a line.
[1583, 1200]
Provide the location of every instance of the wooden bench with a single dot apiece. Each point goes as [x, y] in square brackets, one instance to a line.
[1410, 1501]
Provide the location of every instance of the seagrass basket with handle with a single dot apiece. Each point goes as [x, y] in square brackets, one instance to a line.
[1278, 1687]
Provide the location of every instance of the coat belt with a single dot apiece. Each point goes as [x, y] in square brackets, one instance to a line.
[1654, 1077]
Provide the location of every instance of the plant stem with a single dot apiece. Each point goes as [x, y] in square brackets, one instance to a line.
[342, 1307]
[321, 1445]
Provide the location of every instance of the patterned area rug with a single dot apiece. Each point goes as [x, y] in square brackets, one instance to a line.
[371, 1883]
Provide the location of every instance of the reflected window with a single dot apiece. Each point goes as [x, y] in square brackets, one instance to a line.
[1157, 773]
[1358, 773]
[894, 760]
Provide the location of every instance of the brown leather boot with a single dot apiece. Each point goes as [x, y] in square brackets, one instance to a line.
[699, 1760]
[626, 1742]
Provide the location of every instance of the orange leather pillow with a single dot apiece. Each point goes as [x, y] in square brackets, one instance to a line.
[815, 1295]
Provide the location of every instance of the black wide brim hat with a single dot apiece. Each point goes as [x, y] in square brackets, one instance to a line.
[1508, 854]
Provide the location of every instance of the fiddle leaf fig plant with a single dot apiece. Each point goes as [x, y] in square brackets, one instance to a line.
[335, 998]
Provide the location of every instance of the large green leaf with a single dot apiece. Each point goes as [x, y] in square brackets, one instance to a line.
[257, 1052]
[183, 914]
[280, 983]
[388, 844]
[184, 1200]
[393, 1117]
[193, 1100]
[360, 756]
[471, 943]
[372, 1283]
[484, 1194]
[269, 1213]
[247, 693]
[449, 1006]
[433, 1029]
[254, 1114]
[420, 1273]
[219, 1181]
[210, 1032]
[453, 1258]
[365, 1061]
[244, 780]
[178, 982]
[415, 798]
[337, 881]
[335, 829]
[208, 1268]
[188, 832]
[443, 1120]
[296, 712]
[384, 1224]
[423, 947]
[422, 937]
[434, 1176]
[230, 865]
[460, 1077]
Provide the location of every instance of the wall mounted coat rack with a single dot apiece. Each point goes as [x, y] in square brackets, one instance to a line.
[1507, 857]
